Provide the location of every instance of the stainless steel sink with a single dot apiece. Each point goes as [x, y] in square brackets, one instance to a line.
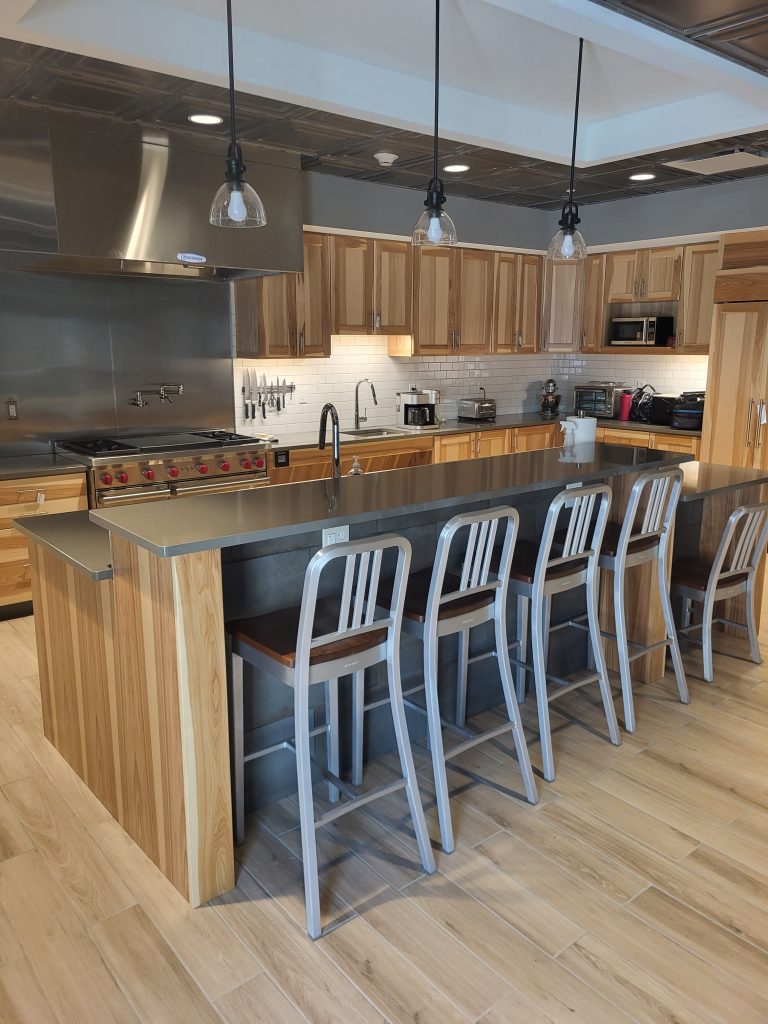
[373, 432]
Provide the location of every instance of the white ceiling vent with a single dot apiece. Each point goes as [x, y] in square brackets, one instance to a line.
[723, 163]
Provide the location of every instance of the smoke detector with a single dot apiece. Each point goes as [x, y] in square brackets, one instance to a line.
[385, 158]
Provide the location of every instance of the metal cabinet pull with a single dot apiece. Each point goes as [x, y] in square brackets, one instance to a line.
[519, 339]
[373, 321]
[749, 423]
[760, 424]
[377, 324]
[301, 341]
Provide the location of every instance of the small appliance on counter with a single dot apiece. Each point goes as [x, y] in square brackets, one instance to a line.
[550, 399]
[481, 408]
[599, 398]
[688, 411]
[660, 408]
[641, 330]
[416, 409]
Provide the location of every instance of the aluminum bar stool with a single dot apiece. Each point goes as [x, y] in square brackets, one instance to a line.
[733, 572]
[441, 603]
[574, 526]
[315, 643]
[645, 535]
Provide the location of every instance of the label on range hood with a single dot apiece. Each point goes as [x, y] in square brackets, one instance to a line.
[195, 258]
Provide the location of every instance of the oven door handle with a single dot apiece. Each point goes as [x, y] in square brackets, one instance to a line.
[218, 486]
[133, 497]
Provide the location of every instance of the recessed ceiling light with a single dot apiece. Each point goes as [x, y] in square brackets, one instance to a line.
[642, 176]
[205, 119]
[456, 168]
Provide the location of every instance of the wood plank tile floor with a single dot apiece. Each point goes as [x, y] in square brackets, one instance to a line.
[637, 890]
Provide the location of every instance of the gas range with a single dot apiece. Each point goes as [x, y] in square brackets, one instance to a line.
[126, 470]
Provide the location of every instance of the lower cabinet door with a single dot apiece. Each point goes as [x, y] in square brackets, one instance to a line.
[454, 448]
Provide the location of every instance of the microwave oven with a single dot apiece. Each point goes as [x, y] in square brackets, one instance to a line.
[641, 330]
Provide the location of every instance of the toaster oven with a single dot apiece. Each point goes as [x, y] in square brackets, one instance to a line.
[598, 398]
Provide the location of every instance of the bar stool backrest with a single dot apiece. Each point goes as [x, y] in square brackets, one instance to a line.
[584, 531]
[654, 495]
[359, 592]
[742, 544]
[480, 530]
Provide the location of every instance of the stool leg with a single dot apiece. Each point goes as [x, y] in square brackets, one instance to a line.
[461, 678]
[332, 734]
[406, 763]
[307, 811]
[358, 726]
[707, 612]
[518, 734]
[622, 647]
[674, 643]
[749, 598]
[546, 619]
[436, 744]
[522, 653]
[687, 611]
[602, 671]
[237, 743]
[540, 678]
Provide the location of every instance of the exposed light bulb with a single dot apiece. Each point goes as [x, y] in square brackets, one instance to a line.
[567, 246]
[237, 211]
[434, 231]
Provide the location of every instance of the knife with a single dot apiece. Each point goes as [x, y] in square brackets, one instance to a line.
[246, 410]
[249, 403]
[283, 392]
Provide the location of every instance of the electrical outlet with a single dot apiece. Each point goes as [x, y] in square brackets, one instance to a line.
[335, 535]
[11, 409]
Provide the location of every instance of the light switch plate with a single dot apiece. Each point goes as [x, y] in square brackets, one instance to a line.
[335, 535]
[11, 409]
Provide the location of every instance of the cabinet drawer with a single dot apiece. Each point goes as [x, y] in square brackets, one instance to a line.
[636, 438]
[676, 443]
[26, 490]
[33, 508]
[14, 568]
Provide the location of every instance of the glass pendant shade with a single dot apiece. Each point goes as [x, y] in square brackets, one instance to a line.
[434, 227]
[237, 205]
[567, 245]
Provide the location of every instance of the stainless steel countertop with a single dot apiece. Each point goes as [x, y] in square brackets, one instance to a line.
[243, 517]
[308, 439]
[73, 537]
[14, 467]
[703, 479]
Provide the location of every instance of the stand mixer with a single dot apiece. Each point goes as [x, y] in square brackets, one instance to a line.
[550, 399]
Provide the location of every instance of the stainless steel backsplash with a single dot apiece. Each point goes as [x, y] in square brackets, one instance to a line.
[74, 350]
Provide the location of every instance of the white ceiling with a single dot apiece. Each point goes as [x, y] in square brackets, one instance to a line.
[508, 66]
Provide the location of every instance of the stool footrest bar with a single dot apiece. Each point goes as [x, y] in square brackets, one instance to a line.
[481, 737]
[358, 801]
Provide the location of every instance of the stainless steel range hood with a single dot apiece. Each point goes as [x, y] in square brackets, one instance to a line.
[88, 196]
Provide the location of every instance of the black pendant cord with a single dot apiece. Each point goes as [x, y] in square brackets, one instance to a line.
[575, 122]
[437, 87]
[235, 165]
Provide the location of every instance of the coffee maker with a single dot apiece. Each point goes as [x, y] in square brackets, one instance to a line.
[416, 409]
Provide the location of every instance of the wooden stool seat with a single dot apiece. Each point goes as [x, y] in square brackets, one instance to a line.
[417, 593]
[524, 563]
[610, 544]
[693, 572]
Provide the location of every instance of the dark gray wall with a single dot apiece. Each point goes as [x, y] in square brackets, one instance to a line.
[711, 208]
[333, 202]
[73, 350]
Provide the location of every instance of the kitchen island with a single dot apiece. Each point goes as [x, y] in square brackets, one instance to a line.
[132, 651]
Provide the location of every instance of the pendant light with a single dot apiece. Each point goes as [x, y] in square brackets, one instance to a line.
[434, 226]
[568, 243]
[236, 204]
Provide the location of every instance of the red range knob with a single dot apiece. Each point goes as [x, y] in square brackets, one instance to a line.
[122, 478]
[173, 471]
[106, 478]
[148, 474]
[224, 467]
[260, 463]
[202, 468]
[246, 463]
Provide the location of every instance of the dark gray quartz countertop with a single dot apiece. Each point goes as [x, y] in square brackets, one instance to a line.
[243, 517]
[15, 467]
[73, 537]
[703, 479]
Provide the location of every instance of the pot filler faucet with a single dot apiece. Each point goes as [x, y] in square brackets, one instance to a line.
[358, 418]
[335, 438]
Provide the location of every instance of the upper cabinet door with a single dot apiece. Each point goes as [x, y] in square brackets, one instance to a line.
[732, 433]
[622, 276]
[434, 307]
[246, 300]
[475, 322]
[593, 325]
[697, 297]
[661, 274]
[276, 316]
[529, 303]
[393, 287]
[563, 307]
[352, 275]
[506, 336]
[313, 288]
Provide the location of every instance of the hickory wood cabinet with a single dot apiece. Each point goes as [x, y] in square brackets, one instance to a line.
[286, 316]
[482, 444]
[373, 456]
[660, 440]
[372, 285]
[453, 300]
[644, 275]
[517, 303]
[697, 296]
[31, 496]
